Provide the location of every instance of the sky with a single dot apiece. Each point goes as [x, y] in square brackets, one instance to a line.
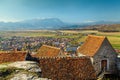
[74, 11]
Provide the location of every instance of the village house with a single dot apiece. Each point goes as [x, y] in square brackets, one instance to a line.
[118, 65]
[102, 54]
[49, 51]
[12, 56]
[30, 43]
[71, 51]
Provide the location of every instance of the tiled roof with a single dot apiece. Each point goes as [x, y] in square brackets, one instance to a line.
[68, 68]
[47, 51]
[12, 56]
[91, 45]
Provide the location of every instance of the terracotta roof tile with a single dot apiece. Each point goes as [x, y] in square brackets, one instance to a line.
[91, 45]
[48, 51]
[68, 68]
[12, 56]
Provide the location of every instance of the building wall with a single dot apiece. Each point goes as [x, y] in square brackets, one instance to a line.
[67, 68]
[118, 65]
[106, 52]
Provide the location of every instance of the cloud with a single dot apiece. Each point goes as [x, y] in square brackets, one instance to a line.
[9, 20]
[89, 21]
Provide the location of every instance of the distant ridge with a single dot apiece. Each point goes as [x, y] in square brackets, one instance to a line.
[105, 28]
[51, 24]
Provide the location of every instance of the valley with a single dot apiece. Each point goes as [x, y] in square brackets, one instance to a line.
[77, 36]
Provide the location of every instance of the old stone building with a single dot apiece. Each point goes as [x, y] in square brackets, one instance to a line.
[118, 65]
[102, 54]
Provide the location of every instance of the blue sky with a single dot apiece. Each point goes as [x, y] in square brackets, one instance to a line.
[74, 11]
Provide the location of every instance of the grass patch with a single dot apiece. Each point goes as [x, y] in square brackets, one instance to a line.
[7, 73]
[10, 72]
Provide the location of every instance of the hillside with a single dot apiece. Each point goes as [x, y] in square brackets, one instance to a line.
[105, 28]
[33, 24]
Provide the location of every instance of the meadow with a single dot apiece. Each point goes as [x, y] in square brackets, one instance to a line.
[77, 35]
[113, 37]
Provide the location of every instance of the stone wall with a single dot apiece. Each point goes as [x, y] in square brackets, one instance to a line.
[118, 65]
[106, 52]
[67, 68]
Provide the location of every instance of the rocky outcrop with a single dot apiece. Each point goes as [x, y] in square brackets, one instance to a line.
[27, 65]
[26, 76]
[21, 70]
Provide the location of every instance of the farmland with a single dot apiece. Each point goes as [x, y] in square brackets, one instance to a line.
[114, 37]
[77, 35]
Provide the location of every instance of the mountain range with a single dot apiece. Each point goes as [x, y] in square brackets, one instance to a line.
[50, 23]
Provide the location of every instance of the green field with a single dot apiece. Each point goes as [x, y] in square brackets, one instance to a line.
[78, 36]
[113, 37]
